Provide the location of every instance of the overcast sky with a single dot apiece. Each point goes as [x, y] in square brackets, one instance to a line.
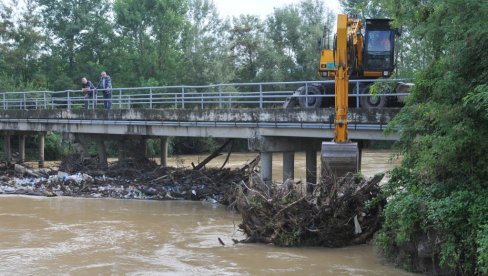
[260, 7]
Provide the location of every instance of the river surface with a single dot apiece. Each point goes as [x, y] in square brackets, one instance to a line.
[52, 236]
[373, 162]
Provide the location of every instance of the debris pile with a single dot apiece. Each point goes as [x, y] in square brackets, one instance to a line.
[127, 180]
[338, 212]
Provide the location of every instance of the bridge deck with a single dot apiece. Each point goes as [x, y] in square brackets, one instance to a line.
[364, 124]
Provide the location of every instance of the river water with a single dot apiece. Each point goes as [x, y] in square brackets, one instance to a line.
[48, 236]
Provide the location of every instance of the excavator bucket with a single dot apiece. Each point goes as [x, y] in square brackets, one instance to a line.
[341, 157]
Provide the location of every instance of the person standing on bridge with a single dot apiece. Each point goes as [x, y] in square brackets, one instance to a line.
[105, 84]
[89, 89]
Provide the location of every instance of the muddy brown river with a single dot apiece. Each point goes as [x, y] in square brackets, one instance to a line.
[52, 236]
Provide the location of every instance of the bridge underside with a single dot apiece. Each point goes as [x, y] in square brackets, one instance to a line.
[268, 131]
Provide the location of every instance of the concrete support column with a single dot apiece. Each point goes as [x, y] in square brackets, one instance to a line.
[42, 138]
[80, 143]
[288, 165]
[143, 148]
[102, 153]
[311, 165]
[267, 167]
[7, 149]
[361, 145]
[164, 151]
[122, 150]
[21, 148]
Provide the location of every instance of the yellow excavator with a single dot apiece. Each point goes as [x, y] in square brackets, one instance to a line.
[357, 56]
[353, 56]
[341, 155]
[369, 56]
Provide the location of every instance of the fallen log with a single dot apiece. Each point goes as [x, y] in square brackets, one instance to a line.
[25, 171]
[213, 155]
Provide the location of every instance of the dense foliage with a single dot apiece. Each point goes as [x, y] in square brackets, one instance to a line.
[437, 216]
[51, 44]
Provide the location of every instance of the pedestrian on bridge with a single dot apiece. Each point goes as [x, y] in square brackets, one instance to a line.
[90, 92]
[105, 85]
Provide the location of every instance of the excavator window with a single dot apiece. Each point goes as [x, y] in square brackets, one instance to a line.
[379, 46]
[379, 41]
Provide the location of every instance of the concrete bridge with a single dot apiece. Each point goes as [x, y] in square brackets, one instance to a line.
[268, 128]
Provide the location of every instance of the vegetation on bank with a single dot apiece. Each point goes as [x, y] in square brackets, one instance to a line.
[436, 220]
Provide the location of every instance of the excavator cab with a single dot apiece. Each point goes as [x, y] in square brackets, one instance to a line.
[379, 48]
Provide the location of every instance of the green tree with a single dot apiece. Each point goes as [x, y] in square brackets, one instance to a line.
[246, 37]
[293, 31]
[77, 31]
[151, 31]
[21, 43]
[208, 57]
[364, 8]
[439, 194]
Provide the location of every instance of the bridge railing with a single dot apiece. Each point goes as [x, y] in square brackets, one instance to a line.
[234, 95]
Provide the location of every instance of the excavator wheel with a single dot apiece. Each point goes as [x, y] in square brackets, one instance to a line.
[312, 101]
[341, 158]
[372, 101]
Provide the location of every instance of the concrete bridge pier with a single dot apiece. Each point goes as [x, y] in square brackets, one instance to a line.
[268, 145]
[164, 141]
[7, 149]
[288, 165]
[267, 167]
[21, 148]
[122, 151]
[80, 142]
[101, 151]
[142, 152]
[42, 138]
[311, 169]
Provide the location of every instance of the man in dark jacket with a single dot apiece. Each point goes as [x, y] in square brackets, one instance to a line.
[105, 84]
[89, 89]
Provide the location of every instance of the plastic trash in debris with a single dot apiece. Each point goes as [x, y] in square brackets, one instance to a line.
[210, 200]
[62, 175]
[25, 181]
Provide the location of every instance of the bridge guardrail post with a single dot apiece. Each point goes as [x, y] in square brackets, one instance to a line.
[182, 97]
[260, 96]
[220, 96]
[69, 101]
[306, 94]
[4, 103]
[357, 94]
[201, 99]
[176, 100]
[230, 100]
[150, 98]
[24, 102]
[44, 99]
[120, 98]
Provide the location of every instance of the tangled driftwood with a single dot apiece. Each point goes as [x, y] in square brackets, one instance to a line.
[337, 213]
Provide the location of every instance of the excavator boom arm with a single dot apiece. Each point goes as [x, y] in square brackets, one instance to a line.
[341, 156]
[341, 81]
